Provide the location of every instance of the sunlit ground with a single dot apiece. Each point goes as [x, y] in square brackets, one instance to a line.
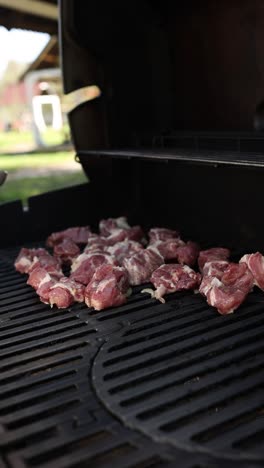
[15, 141]
[34, 173]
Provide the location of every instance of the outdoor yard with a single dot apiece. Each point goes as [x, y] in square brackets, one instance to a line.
[19, 141]
[37, 173]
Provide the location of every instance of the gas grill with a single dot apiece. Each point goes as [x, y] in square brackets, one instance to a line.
[171, 140]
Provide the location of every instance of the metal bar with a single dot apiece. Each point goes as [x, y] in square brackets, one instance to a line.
[215, 158]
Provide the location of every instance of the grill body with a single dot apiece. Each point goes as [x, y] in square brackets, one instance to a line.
[174, 140]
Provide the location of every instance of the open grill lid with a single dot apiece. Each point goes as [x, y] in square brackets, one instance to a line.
[164, 67]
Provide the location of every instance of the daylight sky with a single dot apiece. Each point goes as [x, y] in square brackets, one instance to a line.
[20, 45]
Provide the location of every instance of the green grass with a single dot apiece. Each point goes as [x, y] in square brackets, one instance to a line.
[22, 189]
[9, 141]
[13, 163]
[25, 179]
[53, 137]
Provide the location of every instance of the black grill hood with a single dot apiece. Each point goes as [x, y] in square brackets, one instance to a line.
[163, 67]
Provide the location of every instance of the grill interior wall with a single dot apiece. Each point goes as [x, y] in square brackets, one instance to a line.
[215, 205]
[163, 66]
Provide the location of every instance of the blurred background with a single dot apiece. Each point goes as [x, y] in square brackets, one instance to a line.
[35, 140]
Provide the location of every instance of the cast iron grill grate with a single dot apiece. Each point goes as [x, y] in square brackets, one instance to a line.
[193, 379]
[55, 364]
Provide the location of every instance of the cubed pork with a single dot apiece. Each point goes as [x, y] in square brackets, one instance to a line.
[107, 226]
[109, 287]
[255, 263]
[229, 288]
[79, 235]
[96, 243]
[141, 265]
[171, 278]
[118, 235]
[124, 249]
[214, 254]
[161, 234]
[85, 265]
[64, 292]
[26, 257]
[66, 250]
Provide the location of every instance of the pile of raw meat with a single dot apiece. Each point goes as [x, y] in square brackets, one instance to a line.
[104, 266]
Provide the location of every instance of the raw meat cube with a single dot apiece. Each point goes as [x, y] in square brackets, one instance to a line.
[141, 265]
[85, 266]
[171, 278]
[107, 226]
[124, 249]
[108, 288]
[161, 234]
[66, 250]
[217, 253]
[79, 235]
[229, 288]
[255, 263]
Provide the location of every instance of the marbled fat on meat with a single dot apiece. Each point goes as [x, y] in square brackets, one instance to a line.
[118, 235]
[29, 259]
[26, 257]
[229, 288]
[107, 226]
[76, 289]
[51, 264]
[38, 277]
[96, 243]
[79, 235]
[41, 281]
[161, 234]
[168, 248]
[216, 253]
[65, 292]
[43, 291]
[61, 291]
[66, 251]
[124, 249]
[85, 266]
[176, 249]
[255, 263]
[215, 268]
[59, 296]
[239, 276]
[108, 287]
[173, 277]
[141, 265]
[225, 299]
[188, 253]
